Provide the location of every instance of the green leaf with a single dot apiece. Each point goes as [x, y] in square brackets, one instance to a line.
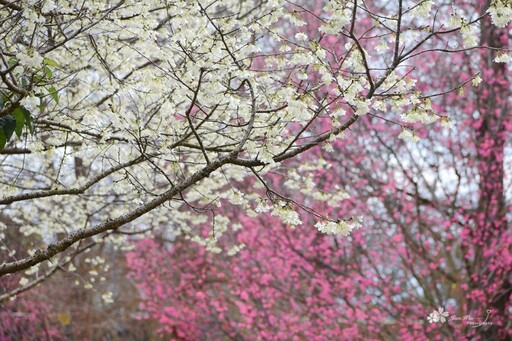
[24, 82]
[48, 72]
[3, 99]
[38, 77]
[28, 119]
[50, 62]
[3, 139]
[54, 93]
[20, 120]
[8, 125]
[12, 61]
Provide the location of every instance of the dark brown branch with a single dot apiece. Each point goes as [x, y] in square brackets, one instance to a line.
[11, 5]
[189, 120]
[77, 190]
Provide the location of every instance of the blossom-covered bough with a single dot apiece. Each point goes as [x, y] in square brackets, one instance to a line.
[119, 117]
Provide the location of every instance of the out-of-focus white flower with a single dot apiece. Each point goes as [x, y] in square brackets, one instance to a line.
[501, 12]
[469, 35]
[301, 36]
[235, 249]
[266, 156]
[476, 80]
[422, 116]
[237, 198]
[503, 58]
[262, 206]
[408, 135]
[423, 9]
[49, 5]
[341, 227]
[285, 48]
[31, 59]
[302, 76]
[339, 113]
[107, 297]
[362, 108]
[339, 18]
[30, 103]
[455, 20]
[446, 122]
[286, 213]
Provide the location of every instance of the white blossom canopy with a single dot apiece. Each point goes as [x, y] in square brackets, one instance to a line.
[145, 114]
